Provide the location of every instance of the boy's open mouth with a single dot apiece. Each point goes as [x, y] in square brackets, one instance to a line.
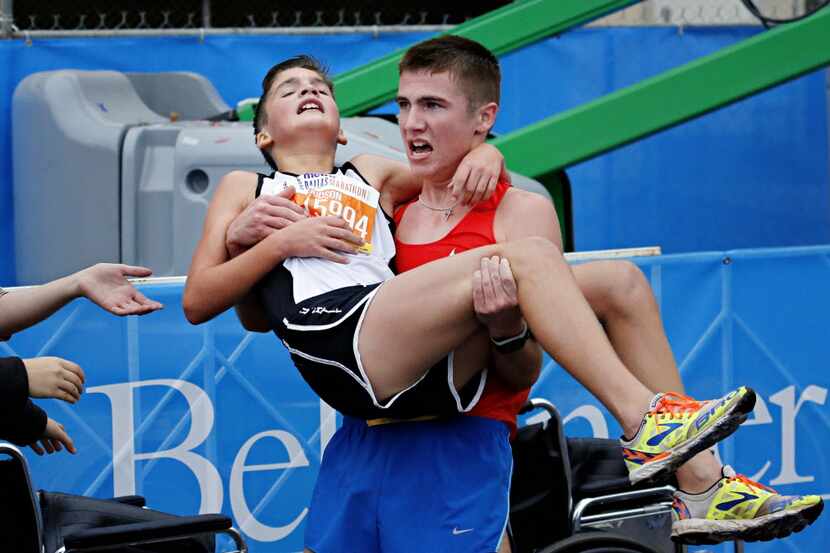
[311, 104]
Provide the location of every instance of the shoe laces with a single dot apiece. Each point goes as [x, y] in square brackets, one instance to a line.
[751, 483]
[673, 403]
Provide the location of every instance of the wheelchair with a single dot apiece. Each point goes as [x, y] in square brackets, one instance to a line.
[45, 522]
[572, 495]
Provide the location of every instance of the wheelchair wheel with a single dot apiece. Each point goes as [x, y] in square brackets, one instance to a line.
[598, 542]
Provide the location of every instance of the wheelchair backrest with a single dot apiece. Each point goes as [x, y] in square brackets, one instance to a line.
[20, 523]
[540, 492]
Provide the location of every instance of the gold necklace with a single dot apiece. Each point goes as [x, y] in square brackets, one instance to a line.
[447, 211]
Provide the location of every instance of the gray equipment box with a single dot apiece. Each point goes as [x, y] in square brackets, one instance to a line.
[122, 180]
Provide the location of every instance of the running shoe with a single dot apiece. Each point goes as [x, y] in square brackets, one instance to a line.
[676, 428]
[735, 508]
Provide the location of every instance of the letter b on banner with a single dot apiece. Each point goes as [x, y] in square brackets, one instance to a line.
[123, 442]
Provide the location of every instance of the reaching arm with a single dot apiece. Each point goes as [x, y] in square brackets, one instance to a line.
[475, 177]
[105, 284]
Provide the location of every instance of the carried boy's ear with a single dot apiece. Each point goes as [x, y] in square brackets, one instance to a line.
[264, 140]
[487, 117]
[341, 138]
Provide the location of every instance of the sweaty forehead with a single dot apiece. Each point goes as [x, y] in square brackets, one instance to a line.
[297, 75]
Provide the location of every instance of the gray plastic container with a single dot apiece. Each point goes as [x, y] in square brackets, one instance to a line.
[67, 131]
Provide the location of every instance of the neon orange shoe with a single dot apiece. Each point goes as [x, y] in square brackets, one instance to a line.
[676, 428]
[735, 508]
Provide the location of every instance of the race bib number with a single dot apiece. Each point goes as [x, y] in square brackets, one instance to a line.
[323, 194]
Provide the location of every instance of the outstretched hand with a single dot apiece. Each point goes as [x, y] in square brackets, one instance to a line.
[54, 439]
[53, 377]
[260, 218]
[106, 285]
[477, 175]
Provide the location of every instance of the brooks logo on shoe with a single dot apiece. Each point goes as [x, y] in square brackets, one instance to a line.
[657, 438]
[727, 505]
[705, 417]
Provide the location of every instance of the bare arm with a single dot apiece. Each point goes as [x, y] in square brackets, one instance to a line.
[496, 303]
[105, 284]
[262, 217]
[215, 282]
[475, 178]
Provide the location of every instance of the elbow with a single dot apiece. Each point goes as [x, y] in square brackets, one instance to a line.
[194, 317]
[522, 380]
[193, 312]
[251, 320]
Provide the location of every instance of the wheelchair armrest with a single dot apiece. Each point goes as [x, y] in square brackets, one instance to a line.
[539, 403]
[659, 494]
[148, 532]
[134, 500]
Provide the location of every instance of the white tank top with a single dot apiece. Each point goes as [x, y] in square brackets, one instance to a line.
[343, 192]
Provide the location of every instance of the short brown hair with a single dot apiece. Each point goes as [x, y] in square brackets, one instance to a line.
[260, 113]
[474, 66]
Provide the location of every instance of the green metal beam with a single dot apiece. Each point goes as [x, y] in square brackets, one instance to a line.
[503, 30]
[669, 99]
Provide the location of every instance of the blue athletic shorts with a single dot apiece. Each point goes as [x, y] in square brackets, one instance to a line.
[438, 485]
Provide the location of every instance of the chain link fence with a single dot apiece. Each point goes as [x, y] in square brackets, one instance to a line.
[701, 13]
[106, 17]
[115, 15]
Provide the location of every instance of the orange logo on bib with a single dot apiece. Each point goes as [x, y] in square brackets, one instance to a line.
[323, 194]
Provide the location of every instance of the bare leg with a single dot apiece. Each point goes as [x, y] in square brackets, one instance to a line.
[622, 299]
[420, 315]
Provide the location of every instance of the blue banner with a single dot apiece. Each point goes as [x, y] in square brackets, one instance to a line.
[705, 185]
[211, 418]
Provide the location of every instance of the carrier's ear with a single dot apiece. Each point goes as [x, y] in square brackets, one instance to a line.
[264, 140]
[486, 115]
[341, 137]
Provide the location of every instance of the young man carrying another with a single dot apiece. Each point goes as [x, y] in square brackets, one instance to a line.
[424, 500]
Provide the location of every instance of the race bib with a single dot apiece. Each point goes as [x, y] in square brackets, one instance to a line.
[323, 194]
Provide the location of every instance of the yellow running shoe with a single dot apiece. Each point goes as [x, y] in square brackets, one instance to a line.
[735, 508]
[676, 428]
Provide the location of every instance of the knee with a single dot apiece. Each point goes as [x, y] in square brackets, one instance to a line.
[533, 256]
[533, 247]
[627, 290]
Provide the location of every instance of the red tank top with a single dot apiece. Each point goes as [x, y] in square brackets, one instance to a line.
[498, 401]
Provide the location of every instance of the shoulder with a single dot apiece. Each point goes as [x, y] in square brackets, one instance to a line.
[237, 186]
[522, 213]
[517, 201]
[378, 170]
